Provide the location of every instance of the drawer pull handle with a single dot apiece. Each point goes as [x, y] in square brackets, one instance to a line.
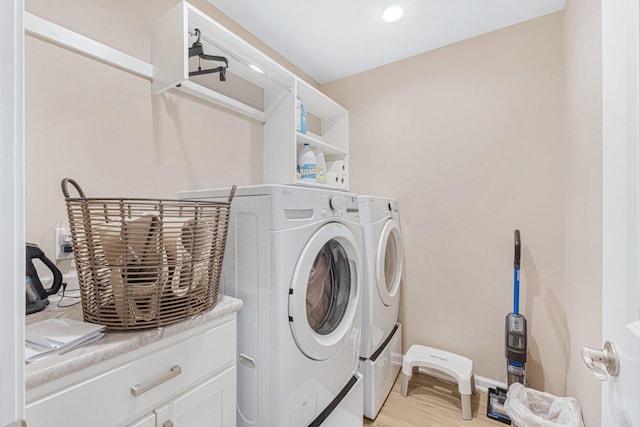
[247, 361]
[138, 389]
[168, 423]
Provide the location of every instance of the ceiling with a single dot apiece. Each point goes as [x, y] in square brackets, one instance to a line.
[331, 39]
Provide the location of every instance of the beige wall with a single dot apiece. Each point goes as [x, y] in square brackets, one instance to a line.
[469, 139]
[102, 127]
[583, 74]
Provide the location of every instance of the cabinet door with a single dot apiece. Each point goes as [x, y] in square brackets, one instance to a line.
[211, 404]
[148, 421]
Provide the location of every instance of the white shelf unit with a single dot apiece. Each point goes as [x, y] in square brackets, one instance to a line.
[171, 38]
[283, 143]
[249, 69]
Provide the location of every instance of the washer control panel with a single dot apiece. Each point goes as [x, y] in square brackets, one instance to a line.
[351, 203]
[339, 205]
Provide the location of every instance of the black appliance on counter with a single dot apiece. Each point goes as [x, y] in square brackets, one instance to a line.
[36, 294]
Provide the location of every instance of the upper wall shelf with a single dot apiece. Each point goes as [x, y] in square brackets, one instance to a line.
[65, 38]
[171, 38]
[316, 141]
[256, 86]
[328, 133]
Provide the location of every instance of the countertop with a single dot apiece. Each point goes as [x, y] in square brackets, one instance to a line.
[113, 344]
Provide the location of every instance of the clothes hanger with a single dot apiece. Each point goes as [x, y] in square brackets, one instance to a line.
[197, 50]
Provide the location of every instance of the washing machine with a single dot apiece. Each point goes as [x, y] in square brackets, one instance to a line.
[381, 346]
[293, 256]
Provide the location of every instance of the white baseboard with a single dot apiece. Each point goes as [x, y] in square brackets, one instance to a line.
[484, 384]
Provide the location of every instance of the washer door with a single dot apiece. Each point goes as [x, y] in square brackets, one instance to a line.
[324, 292]
[389, 262]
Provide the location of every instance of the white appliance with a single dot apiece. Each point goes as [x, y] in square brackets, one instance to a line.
[293, 256]
[381, 347]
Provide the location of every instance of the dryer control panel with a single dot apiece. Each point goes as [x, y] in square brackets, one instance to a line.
[374, 209]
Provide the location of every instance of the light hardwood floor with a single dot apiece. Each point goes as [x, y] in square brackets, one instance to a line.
[430, 402]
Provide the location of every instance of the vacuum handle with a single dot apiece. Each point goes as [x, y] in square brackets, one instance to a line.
[517, 245]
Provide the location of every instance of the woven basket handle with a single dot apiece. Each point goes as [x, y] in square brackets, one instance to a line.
[65, 191]
[233, 191]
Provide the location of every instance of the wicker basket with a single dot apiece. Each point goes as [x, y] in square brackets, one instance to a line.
[146, 262]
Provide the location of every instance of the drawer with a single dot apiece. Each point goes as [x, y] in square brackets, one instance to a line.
[107, 399]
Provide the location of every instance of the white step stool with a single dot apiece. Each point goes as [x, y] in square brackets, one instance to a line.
[456, 366]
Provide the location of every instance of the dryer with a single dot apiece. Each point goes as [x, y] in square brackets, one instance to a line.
[293, 256]
[381, 346]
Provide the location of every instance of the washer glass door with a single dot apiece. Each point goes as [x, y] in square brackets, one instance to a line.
[389, 262]
[323, 298]
[328, 288]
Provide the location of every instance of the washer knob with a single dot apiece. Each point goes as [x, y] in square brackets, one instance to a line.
[336, 203]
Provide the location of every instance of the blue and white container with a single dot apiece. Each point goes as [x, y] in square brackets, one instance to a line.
[301, 116]
[307, 164]
[298, 114]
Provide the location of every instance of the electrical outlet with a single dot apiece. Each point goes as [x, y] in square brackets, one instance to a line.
[71, 279]
[62, 242]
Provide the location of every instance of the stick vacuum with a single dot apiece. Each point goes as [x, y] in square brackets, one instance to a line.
[516, 326]
[515, 349]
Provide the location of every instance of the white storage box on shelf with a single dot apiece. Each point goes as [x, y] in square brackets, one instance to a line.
[249, 71]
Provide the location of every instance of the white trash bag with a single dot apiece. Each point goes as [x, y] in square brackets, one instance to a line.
[531, 408]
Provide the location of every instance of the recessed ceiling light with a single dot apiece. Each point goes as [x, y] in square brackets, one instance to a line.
[392, 14]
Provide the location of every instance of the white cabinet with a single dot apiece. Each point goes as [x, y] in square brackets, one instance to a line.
[177, 381]
[210, 404]
[328, 131]
[257, 87]
[205, 405]
[147, 421]
[249, 70]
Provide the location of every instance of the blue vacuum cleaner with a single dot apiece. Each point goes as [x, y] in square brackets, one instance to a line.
[515, 345]
[516, 327]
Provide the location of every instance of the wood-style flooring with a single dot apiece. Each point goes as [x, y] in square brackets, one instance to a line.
[430, 402]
